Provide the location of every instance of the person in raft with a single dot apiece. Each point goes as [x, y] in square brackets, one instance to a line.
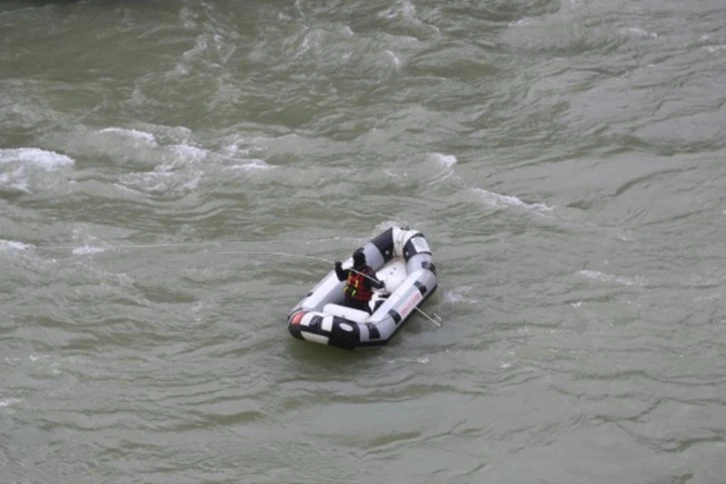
[360, 281]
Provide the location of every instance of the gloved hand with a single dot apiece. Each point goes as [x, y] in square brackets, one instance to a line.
[338, 264]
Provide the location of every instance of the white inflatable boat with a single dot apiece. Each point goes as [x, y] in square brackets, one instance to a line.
[402, 260]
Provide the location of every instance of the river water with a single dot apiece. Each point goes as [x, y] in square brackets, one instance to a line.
[173, 175]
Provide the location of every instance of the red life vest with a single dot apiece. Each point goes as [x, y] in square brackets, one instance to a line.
[358, 286]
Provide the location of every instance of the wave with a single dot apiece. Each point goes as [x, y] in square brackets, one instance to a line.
[496, 200]
[134, 134]
[603, 277]
[29, 170]
[47, 160]
[13, 245]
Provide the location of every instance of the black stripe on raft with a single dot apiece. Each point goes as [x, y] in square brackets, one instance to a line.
[429, 266]
[408, 249]
[314, 324]
[396, 317]
[384, 243]
[421, 288]
[373, 331]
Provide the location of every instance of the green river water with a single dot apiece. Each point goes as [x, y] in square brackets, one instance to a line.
[172, 172]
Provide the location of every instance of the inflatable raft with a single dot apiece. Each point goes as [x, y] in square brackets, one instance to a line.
[403, 260]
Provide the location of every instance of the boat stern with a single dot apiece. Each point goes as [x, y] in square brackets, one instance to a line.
[325, 329]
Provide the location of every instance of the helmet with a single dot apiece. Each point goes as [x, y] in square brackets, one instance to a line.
[359, 258]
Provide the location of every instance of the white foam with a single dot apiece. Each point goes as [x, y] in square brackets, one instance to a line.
[189, 152]
[162, 181]
[522, 22]
[47, 160]
[13, 245]
[14, 180]
[638, 32]
[26, 169]
[147, 138]
[404, 9]
[457, 295]
[422, 360]
[233, 150]
[445, 160]
[497, 200]
[396, 60]
[715, 48]
[87, 249]
[603, 277]
[180, 155]
[251, 165]
[9, 401]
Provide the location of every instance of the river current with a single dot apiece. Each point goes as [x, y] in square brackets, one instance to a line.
[175, 174]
